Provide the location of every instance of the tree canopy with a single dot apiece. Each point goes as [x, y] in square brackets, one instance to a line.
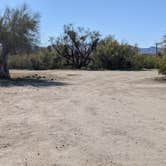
[76, 45]
[19, 32]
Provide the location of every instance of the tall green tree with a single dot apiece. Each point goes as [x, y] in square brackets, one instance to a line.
[19, 31]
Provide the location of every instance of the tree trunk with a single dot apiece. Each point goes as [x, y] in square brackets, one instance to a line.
[4, 71]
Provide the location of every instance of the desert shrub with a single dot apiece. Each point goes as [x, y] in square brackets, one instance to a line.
[162, 65]
[18, 62]
[111, 54]
[76, 45]
[151, 62]
[115, 57]
[144, 62]
[41, 60]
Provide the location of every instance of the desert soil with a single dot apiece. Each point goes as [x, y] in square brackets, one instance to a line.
[83, 118]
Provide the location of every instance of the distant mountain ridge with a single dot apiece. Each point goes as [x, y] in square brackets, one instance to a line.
[150, 50]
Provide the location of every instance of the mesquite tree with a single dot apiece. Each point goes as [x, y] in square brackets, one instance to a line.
[18, 33]
[76, 45]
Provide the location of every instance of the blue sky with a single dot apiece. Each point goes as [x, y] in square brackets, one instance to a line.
[141, 22]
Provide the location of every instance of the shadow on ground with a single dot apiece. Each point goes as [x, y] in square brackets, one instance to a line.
[26, 81]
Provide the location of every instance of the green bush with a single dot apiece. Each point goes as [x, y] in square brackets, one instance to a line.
[144, 62]
[162, 66]
[111, 54]
[41, 60]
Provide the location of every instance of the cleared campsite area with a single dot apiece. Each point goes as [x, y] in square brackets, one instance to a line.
[83, 118]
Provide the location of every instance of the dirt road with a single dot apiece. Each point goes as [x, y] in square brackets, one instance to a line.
[83, 118]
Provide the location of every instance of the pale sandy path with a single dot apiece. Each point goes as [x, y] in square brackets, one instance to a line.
[107, 118]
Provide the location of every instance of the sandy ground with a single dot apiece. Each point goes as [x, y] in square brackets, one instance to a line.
[83, 118]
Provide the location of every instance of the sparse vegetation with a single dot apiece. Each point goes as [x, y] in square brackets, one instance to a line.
[109, 54]
[76, 48]
[162, 65]
[40, 60]
[113, 55]
[145, 62]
